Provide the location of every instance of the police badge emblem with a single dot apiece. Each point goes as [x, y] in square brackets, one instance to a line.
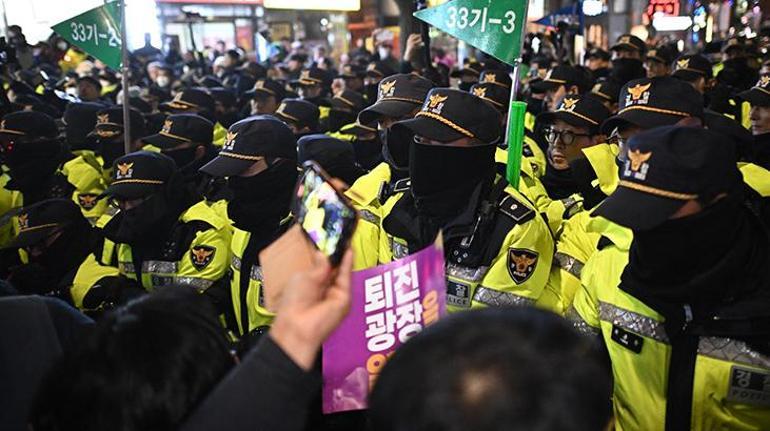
[521, 264]
[201, 256]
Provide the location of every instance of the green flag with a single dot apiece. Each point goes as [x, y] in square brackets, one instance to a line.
[97, 32]
[493, 26]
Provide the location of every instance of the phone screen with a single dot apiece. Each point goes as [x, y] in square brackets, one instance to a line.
[324, 215]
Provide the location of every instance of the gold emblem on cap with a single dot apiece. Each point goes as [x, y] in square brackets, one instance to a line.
[683, 63]
[167, 126]
[637, 158]
[23, 221]
[763, 82]
[652, 53]
[637, 90]
[568, 104]
[597, 88]
[625, 39]
[101, 119]
[435, 99]
[230, 140]
[490, 78]
[178, 97]
[387, 88]
[281, 108]
[259, 84]
[125, 170]
[480, 92]
[305, 74]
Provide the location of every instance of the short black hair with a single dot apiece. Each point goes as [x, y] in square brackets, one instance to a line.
[144, 368]
[494, 369]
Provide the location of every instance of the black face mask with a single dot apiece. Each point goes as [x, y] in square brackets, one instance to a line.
[466, 86]
[337, 119]
[760, 151]
[260, 202]
[227, 119]
[627, 69]
[558, 182]
[534, 106]
[110, 149]
[444, 178]
[145, 224]
[368, 152]
[31, 166]
[370, 91]
[396, 147]
[182, 156]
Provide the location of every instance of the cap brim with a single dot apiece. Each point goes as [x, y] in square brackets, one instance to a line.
[129, 190]
[431, 129]
[163, 141]
[755, 97]
[388, 108]
[624, 46]
[32, 237]
[687, 75]
[357, 129]
[259, 91]
[567, 117]
[545, 85]
[224, 166]
[637, 210]
[639, 118]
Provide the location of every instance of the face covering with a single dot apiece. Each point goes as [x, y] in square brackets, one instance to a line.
[558, 182]
[383, 52]
[395, 149]
[337, 119]
[144, 224]
[444, 178]
[466, 86]
[534, 106]
[760, 151]
[627, 69]
[31, 166]
[261, 201]
[109, 149]
[370, 90]
[368, 152]
[163, 81]
[182, 156]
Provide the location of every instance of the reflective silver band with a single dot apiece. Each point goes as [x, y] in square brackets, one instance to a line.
[496, 298]
[579, 324]
[236, 263]
[198, 283]
[256, 271]
[568, 263]
[160, 266]
[727, 349]
[126, 268]
[399, 250]
[465, 273]
[369, 216]
[634, 322]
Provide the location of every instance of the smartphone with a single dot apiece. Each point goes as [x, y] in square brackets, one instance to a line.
[326, 216]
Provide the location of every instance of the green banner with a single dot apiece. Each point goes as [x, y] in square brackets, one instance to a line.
[493, 26]
[97, 32]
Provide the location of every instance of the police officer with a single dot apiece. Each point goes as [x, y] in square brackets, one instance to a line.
[314, 86]
[682, 314]
[695, 70]
[468, 74]
[376, 71]
[335, 156]
[345, 107]
[353, 76]
[164, 233]
[659, 60]
[374, 194]
[79, 120]
[498, 247]
[109, 133]
[607, 91]
[259, 160]
[301, 116]
[265, 97]
[756, 169]
[597, 61]
[196, 101]
[628, 54]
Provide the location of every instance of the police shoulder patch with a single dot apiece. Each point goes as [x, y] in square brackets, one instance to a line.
[516, 210]
[87, 200]
[201, 256]
[521, 264]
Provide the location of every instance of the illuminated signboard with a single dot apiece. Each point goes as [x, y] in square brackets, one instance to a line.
[666, 7]
[337, 5]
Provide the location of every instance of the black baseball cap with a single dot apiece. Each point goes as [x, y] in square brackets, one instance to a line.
[378, 69]
[189, 100]
[607, 90]
[267, 87]
[139, 174]
[449, 114]
[313, 76]
[357, 129]
[471, 68]
[578, 111]
[692, 67]
[29, 126]
[562, 75]
[629, 42]
[225, 96]
[759, 94]
[598, 53]
[250, 140]
[348, 101]
[397, 95]
[665, 168]
[351, 71]
[654, 102]
[209, 81]
[79, 120]
[497, 77]
[336, 157]
[497, 95]
[732, 44]
[42, 219]
[298, 111]
[663, 54]
[109, 123]
[180, 129]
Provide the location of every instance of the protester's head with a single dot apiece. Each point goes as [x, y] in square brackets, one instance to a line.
[455, 136]
[265, 97]
[345, 108]
[695, 70]
[671, 173]
[259, 159]
[573, 126]
[109, 132]
[300, 115]
[561, 81]
[659, 60]
[649, 103]
[31, 148]
[336, 157]
[759, 98]
[186, 138]
[494, 369]
[145, 366]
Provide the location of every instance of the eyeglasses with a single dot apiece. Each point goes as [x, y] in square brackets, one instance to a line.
[567, 137]
[616, 139]
[126, 204]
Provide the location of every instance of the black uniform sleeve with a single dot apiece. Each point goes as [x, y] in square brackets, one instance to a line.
[266, 391]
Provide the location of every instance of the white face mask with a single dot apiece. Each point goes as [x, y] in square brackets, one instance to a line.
[163, 81]
[62, 46]
[72, 91]
[383, 52]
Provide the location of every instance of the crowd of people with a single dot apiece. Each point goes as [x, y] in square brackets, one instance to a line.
[622, 283]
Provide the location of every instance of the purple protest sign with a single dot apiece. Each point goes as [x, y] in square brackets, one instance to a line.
[390, 304]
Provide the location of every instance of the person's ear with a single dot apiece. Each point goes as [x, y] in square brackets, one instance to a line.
[573, 89]
[200, 151]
